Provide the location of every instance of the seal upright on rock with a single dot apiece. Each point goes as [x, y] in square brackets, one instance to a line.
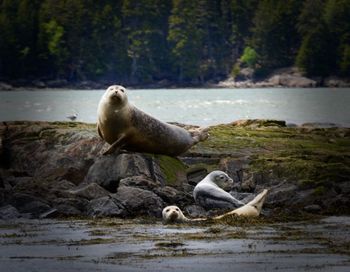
[124, 126]
[209, 194]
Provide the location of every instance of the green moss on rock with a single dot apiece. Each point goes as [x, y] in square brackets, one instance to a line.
[173, 169]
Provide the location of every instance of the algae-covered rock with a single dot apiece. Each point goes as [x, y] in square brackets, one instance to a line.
[57, 169]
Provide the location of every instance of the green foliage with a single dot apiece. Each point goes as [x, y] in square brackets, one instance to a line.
[235, 70]
[54, 33]
[314, 56]
[345, 61]
[249, 57]
[274, 32]
[187, 41]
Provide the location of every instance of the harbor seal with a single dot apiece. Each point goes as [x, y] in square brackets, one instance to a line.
[124, 126]
[173, 214]
[209, 194]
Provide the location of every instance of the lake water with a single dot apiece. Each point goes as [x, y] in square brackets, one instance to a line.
[189, 106]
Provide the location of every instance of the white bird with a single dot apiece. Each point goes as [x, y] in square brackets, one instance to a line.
[72, 117]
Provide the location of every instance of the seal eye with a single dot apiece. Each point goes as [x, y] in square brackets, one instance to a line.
[177, 209]
[167, 210]
[222, 177]
[121, 90]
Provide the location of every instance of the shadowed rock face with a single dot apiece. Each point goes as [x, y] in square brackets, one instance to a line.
[54, 169]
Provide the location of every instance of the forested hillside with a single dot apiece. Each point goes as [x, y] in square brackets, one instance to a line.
[143, 41]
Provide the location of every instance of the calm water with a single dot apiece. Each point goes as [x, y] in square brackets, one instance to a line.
[190, 106]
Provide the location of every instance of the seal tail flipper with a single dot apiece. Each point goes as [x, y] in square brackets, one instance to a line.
[258, 201]
[201, 134]
[252, 209]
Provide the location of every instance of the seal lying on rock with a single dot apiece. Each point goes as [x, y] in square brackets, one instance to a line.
[209, 194]
[251, 209]
[126, 127]
[173, 214]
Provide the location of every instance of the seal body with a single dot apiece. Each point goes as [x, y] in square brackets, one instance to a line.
[209, 194]
[124, 126]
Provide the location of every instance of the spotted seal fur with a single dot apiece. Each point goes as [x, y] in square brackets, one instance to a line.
[124, 126]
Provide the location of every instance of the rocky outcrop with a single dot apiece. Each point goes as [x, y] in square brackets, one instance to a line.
[291, 81]
[56, 169]
[336, 82]
[289, 77]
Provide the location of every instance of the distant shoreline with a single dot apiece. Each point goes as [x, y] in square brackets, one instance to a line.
[289, 77]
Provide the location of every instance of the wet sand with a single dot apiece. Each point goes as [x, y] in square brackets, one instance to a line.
[143, 245]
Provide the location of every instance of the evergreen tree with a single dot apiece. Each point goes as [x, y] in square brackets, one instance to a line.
[185, 39]
[337, 14]
[242, 13]
[275, 37]
[145, 23]
[18, 28]
[315, 53]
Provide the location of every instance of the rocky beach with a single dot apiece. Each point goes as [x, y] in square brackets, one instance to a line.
[55, 169]
[65, 206]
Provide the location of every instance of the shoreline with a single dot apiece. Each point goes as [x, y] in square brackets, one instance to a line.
[275, 80]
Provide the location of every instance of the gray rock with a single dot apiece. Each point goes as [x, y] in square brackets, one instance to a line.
[53, 213]
[26, 203]
[139, 182]
[107, 171]
[9, 212]
[195, 211]
[172, 196]
[336, 82]
[56, 83]
[314, 208]
[320, 125]
[106, 206]
[5, 86]
[244, 197]
[38, 84]
[281, 195]
[140, 202]
[14, 181]
[70, 206]
[89, 191]
[292, 81]
[196, 175]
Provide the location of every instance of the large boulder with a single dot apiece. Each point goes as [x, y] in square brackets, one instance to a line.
[106, 206]
[138, 201]
[107, 171]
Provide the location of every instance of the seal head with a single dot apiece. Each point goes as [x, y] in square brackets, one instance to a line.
[173, 214]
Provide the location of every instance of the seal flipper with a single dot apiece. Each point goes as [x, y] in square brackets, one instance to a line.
[252, 209]
[116, 146]
[99, 132]
[200, 134]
